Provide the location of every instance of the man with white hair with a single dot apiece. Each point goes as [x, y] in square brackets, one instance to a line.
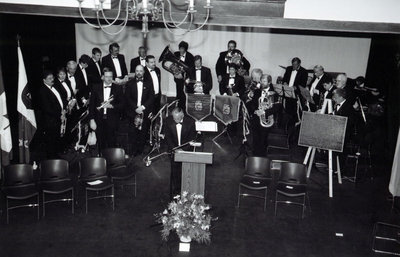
[316, 86]
[341, 82]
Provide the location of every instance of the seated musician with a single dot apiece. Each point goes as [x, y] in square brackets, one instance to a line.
[178, 130]
[200, 79]
[232, 84]
[327, 94]
[263, 107]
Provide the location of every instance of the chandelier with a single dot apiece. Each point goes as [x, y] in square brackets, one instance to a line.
[145, 11]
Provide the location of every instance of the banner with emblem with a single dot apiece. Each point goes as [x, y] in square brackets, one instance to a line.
[198, 106]
[226, 108]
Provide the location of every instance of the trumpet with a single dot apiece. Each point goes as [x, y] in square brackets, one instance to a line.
[103, 104]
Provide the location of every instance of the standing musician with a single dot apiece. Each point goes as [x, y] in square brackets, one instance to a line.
[188, 59]
[139, 100]
[106, 103]
[52, 110]
[255, 83]
[262, 109]
[178, 130]
[115, 62]
[226, 57]
[232, 84]
[199, 73]
[153, 74]
[140, 60]
[94, 67]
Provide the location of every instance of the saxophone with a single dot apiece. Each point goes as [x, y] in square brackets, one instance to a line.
[266, 102]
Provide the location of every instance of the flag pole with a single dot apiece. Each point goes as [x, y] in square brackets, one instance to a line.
[18, 39]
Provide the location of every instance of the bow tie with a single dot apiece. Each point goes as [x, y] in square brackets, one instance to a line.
[115, 57]
[139, 79]
[70, 76]
[107, 86]
[179, 123]
[142, 59]
[151, 70]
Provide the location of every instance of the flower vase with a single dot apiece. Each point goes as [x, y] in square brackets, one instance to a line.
[184, 245]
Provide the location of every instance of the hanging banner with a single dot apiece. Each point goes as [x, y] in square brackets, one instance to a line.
[198, 106]
[226, 108]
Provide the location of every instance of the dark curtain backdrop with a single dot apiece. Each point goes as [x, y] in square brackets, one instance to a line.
[46, 43]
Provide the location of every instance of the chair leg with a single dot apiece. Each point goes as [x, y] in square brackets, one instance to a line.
[44, 204]
[7, 210]
[265, 199]
[73, 201]
[304, 206]
[238, 202]
[38, 207]
[86, 201]
[309, 203]
[113, 199]
[276, 202]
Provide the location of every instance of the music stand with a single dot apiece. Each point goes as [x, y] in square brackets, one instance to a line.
[306, 94]
[288, 92]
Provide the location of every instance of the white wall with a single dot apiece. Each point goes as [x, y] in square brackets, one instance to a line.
[264, 50]
[344, 10]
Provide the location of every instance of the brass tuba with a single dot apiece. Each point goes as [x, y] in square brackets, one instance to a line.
[265, 102]
[236, 57]
[171, 63]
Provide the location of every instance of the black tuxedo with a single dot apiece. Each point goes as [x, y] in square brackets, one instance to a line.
[220, 67]
[50, 111]
[328, 96]
[107, 61]
[206, 78]
[188, 133]
[107, 124]
[350, 94]
[238, 87]
[138, 136]
[83, 88]
[180, 83]
[301, 76]
[62, 91]
[134, 63]
[157, 97]
[92, 72]
[320, 87]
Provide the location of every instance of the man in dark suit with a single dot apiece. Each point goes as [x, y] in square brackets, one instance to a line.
[295, 76]
[115, 62]
[140, 60]
[199, 73]
[94, 67]
[178, 130]
[316, 86]
[51, 108]
[105, 120]
[63, 86]
[153, 74]
[232, 84]
[82, 78]
[222, 63]
[139, 101]
[327, 93]
[341, 82]
[188, 59]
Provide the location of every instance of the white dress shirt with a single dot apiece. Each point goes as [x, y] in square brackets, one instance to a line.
[84, 74]
[142, 61]
[73, 82]
[231, 81]
[69, 93]
[198, 74]
[139, 93]
[55, 92]
[292, 78]
[314, 84]
[178, 132]
[106, 95]
[117, 66]
[154, 78]
[183, 57]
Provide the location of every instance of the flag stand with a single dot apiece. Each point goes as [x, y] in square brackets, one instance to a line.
[225, 130]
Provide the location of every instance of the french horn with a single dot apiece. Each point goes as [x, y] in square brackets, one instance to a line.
[171, 63]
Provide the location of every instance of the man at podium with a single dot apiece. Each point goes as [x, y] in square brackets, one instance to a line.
[179, 131]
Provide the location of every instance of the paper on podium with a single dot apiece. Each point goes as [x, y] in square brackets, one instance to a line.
[206, 126]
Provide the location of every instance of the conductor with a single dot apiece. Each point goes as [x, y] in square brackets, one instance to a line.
[179, 130]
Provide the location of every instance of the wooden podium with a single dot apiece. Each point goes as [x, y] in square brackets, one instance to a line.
[193, 170]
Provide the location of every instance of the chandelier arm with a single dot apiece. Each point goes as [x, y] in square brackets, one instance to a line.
[116, 18]
[172, 20]
[204, 23]
[114, 33]
[168, 28]
[83, 17]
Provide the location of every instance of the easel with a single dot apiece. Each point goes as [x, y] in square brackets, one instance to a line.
[311, 151]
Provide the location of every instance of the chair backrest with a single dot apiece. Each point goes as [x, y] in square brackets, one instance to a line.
[18, 174]
[114, 156]
[92, 168]
[54, 169]
[258, 166]
[295, 173]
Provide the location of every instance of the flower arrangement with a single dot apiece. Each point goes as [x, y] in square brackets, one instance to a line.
[187, 215]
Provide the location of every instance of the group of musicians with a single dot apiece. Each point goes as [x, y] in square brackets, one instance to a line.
[101, 89]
